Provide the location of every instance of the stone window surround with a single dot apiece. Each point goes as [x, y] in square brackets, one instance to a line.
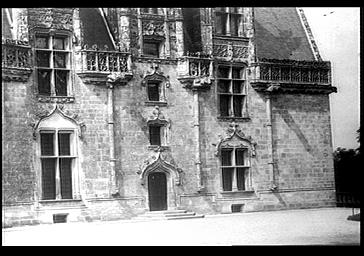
[228, 12]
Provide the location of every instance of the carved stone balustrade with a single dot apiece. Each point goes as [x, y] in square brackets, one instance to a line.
[97, 64]
[16, 60]
[195, 72]
[292, 76]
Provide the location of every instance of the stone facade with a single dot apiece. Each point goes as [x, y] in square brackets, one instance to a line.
[285, 129]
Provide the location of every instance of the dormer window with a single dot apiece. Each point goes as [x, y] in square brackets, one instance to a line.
[228, 21]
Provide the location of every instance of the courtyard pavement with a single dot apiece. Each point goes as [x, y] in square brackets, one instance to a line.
[322, 226]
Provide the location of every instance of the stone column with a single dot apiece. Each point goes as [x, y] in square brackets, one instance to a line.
[271, 162]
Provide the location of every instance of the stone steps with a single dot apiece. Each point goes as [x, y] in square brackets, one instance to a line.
[169, 215]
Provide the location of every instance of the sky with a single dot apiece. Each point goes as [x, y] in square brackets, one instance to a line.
[336, 32]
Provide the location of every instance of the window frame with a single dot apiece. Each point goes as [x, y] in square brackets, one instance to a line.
[230, 92]
[52, 69]
[158, 44]
[73, 142]
[246, 167]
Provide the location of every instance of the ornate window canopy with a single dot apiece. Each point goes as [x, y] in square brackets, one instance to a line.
[235, 138]
[57, 118]
[158, 163]
[155, 74]
[157, 118]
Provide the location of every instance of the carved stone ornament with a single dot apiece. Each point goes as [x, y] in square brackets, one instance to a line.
[157, 163]
[157, 117]
[234, 137]
[153, 28]
[63, 117]
[154, 74]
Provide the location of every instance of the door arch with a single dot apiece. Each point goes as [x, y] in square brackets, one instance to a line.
[157, 191]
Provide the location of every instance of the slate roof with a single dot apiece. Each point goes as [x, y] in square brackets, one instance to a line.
[93, 28]
[279, 34]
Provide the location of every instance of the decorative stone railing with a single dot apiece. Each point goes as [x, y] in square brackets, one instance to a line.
[195, 71]
[16, 60]
[97, 64]
[292, 75]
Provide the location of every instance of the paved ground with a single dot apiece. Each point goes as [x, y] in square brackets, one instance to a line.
[324, 226]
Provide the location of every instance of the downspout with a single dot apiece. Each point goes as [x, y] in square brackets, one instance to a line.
[273, 181]
[196, 126]
[110, 122]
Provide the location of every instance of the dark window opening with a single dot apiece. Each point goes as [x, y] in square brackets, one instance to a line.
[60, 218]
[151, 49]
[64, 144]
[226, 155]
[227, 179]
[192, 30]
[221, 19]
[153, 91]
[155, 135]
[47, 147]
[240, 178]
[237, 207]
[61, 82]
[65, 169]
[224, 105]
[49, 178]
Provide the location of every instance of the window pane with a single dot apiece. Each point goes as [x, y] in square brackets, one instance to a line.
[46, 144]
[223, 86]
[226, 154]
[49, 179]
[224, 105]
[41, 42]
[44, 82]
[60, 59]
[227, 179]
[59, 43]
[151, 49]
[240, 178]
[240, 156]
[153, 91]
[234, 24]
[223, 72]
[64, 144]
[42, 59]
[237, 73]
[238, 105]
[61, 82]
[237, 86]
[221, 23]
[155, 135]
[65, 169]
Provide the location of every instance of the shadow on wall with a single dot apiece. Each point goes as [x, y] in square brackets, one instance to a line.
[288, 119]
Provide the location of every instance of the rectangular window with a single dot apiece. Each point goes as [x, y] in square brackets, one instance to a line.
[151, 49]
[231, 90]
[155, 135]
[227, 21]
[235, 169]
[52, 58]
[153, 91]
[57, 157]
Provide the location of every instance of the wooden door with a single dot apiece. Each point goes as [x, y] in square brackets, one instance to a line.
[157, 189]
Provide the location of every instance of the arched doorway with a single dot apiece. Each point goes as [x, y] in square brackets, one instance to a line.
[157, 190]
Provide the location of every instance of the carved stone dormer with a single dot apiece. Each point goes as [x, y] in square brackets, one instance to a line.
[235, 138]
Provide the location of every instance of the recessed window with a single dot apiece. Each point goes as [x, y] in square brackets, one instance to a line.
[228, 21]
[231, 91]
[149, 10]
[153, 89]
[155, 135]
[151, 48]
[235, 169]
[52, 61]
[57, 160]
